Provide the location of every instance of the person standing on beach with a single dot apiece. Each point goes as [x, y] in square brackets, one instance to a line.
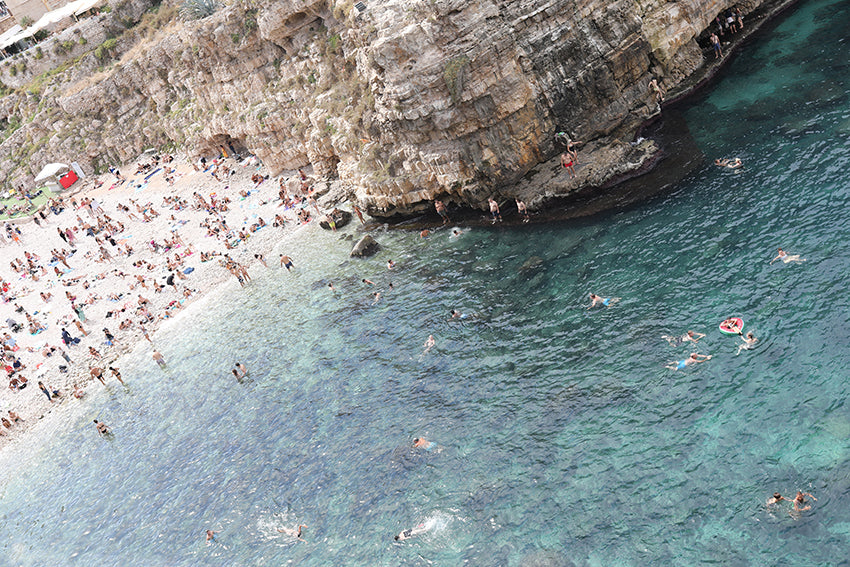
[157, 356]
[97, 373]
[110, 338]
[117, 374]
[286, 262]
[47, 391]
[262, 259]
[101, 427]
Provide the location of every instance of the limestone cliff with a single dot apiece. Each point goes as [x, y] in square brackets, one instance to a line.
[407, 101]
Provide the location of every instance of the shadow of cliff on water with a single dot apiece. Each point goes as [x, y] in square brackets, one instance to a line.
[679, 156]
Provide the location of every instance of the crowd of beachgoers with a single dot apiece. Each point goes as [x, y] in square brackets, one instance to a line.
[97, 269]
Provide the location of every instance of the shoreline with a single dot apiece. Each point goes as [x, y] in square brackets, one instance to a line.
[105, 278]
[31, 403]
[582, 201]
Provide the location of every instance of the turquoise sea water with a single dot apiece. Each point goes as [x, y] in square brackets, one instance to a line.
[562, 440]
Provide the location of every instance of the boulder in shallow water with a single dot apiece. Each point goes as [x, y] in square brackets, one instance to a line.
[340, 217]
[366, 246]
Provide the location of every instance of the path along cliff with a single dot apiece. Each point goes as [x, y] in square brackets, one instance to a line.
[400, 102]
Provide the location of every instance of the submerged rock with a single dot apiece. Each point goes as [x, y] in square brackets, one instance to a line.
[366, 246]
[546, 559]
[532, 263]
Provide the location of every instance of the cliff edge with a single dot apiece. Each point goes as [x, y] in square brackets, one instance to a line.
[401, 101]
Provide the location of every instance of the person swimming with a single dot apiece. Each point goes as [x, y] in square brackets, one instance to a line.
[693, 359]
[296, 533]
[786, 258]
[749, 341]
[690, 336]
[606, 301]
[735, 163]
[420, 443]
[800, 502]
[777, 498]
[429, 344]
[415, 531]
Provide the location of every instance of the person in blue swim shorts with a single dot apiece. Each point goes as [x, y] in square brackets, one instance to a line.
[693, 359]
[606, 301]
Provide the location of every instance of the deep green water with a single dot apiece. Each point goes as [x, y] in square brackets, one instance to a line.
[562, 438]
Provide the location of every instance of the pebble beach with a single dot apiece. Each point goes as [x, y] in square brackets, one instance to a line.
[109, 291]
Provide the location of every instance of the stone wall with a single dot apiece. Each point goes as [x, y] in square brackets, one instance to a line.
[410, 101]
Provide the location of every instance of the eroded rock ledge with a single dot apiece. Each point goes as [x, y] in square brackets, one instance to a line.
[408, 101]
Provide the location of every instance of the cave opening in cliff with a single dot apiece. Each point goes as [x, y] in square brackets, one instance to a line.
[226, 144]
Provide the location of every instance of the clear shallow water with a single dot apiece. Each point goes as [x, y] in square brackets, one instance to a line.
[562, 439]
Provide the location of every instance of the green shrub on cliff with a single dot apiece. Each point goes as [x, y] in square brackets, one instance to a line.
[453, 75]
[197, 9]
[102, 50]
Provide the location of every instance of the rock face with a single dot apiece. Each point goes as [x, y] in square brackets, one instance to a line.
[408, 101]
[366, 246]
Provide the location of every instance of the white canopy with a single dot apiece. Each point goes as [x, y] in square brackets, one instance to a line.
[70, 9]
[86, 5]
[11, 32]
[50, 170]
